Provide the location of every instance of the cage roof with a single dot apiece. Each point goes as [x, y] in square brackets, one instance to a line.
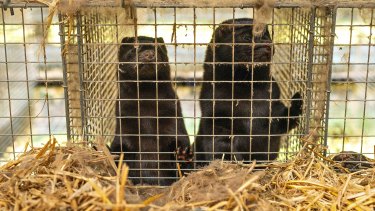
[196, 3]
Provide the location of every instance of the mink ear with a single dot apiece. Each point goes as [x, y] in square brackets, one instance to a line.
[160, 40]
[221, 32]
[127, 40]
[125, 48]
[161, 44]
[267, 36]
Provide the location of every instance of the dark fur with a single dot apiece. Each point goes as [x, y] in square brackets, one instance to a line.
[258, 90]
[127, 138]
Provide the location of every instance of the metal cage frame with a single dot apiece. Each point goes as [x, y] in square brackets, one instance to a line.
[90, 39]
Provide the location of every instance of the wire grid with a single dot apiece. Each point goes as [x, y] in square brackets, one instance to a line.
[92, 73]
[30, 81]
[31, 111]
[321, 57]
[292, 67]
[93, 84]
[351, 116]
[98, 77]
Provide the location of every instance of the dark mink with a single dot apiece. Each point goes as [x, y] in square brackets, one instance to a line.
[242, 87]
[157, 98]
[353, 161]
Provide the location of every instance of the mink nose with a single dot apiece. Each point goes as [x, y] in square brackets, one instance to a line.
[148, 55]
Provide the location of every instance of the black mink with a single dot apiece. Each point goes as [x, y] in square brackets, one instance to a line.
[149, 125]
[236, 87]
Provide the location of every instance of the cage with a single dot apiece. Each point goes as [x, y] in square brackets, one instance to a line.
[32, 105]
[187, 32]
[321, 51]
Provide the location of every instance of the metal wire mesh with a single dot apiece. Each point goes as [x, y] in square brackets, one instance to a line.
[30, 81]
[91, 66]
[330, 70]
[186, 33]
[351, 117]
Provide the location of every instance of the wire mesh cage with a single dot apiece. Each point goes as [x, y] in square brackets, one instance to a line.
[298, 36]
[350, 126]
[30, 80]
[91, 75]
[167, 83]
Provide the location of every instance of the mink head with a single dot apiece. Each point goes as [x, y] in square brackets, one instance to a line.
[152, 61]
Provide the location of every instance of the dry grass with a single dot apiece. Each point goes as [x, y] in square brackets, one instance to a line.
[308, 182]
[72, 177]
[80, 178]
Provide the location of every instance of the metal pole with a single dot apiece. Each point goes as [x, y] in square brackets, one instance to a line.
[332, 37]
[65, 76]
[80, 72]
[310, 68]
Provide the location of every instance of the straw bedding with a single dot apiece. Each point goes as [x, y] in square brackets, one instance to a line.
[76, 177]
[72, 177]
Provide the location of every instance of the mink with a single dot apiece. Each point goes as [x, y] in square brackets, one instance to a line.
[242, 115]
[149, 124]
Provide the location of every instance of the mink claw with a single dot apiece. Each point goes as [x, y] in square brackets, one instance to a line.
[184, 154]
